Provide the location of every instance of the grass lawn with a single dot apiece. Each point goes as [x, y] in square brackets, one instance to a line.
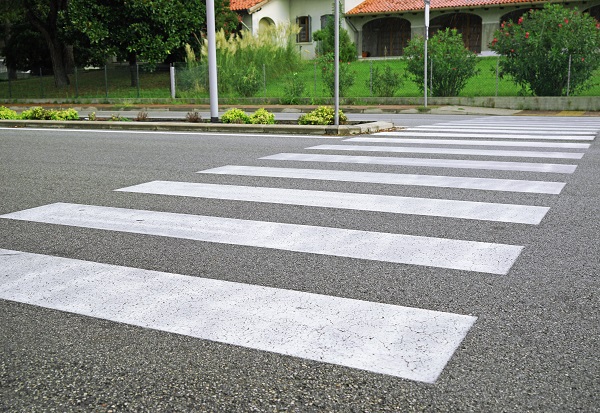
[116, 83]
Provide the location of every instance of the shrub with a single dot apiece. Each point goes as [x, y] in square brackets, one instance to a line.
[6, 113]
[326, 39]
[193, 117]
[453, 63]
[347, 76]
[262, 117]
[293, 89]
[323, 115]
[142, 116]
[247, 81]
[39, 113]
[536, 50]
[385, 82]
[234, 115]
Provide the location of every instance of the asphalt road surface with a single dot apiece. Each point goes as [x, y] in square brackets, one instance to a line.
[452, 266]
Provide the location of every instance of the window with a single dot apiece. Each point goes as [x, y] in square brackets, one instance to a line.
[325, 19]
[305, 34]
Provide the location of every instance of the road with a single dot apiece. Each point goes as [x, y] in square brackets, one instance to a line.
[452, 266]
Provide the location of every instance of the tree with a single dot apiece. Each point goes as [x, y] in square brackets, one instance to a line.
[45, 17]
[147, 30]
[327, 38]
[453, 63]
[538, 49]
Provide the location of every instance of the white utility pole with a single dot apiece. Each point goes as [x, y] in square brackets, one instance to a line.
[212, 61]
[336, 82]
[427, 2]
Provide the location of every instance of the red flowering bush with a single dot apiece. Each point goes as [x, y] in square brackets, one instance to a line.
[537, 47]
[453, 63]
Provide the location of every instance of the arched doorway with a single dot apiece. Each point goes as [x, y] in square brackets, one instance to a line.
[386, 37]
[265, 23]
[469, 25]
[515, 14]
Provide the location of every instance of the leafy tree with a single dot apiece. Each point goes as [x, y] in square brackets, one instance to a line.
[536, 50]
[346, 75]
[149, 30]
[25, 49]
[45, 17]
[327, 38]
[453, 63]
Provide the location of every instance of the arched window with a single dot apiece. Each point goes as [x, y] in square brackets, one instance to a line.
[515, 14]
[469, 25]
[265, 23]
[386, 37]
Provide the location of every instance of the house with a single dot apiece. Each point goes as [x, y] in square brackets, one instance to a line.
[381, 28]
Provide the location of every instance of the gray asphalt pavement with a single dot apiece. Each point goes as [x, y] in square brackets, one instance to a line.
[533, 347]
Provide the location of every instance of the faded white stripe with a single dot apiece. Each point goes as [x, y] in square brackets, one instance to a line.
[487, 184]
[432, 163]
[469, 142]
[411, 343]
[486, 136]
[377, 246]
[505, 129]
[522, 214]
[449, 151]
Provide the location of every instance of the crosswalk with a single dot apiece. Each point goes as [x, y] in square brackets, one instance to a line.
[405, 342]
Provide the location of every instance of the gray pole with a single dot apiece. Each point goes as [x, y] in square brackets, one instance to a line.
[336, 93]
[212, 61]
[427, 2]
[172, 80]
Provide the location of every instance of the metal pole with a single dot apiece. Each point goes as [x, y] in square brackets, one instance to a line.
[106, 80]
[427, 2]
[172, 76]
[336, 93]
[212, 61]
[569, 77]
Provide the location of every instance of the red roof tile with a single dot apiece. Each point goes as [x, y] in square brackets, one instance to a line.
[386, 6]
[243, 4]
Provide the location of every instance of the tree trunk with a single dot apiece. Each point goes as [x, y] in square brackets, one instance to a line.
[133, 69]
[59, 64]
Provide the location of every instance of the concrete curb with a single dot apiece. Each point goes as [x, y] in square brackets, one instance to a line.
[364, 128]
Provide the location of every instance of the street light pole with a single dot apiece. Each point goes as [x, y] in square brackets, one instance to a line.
[336, 53]
[427, 3]
[212, 61]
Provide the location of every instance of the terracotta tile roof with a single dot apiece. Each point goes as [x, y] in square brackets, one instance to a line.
[243, 4]
[386, 6]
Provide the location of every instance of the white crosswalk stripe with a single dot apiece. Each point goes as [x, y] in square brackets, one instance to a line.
[487, 184]
[411, 343]
[426, 162]
[449, 151]
[523, 214]
[328, 329]
[468, 142]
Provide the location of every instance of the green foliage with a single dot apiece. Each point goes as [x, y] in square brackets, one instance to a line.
[537, 47]
[9, 114]
[148, 30]
[385, 82]
[248, 81]
[453, 64]
[262, 117]
[347, 75]
[326, 39]
[235, 115]
[39, 113]
[293, 89]
[323, 115]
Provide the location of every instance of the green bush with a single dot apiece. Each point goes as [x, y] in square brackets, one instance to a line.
[6, 113]
[247, 81]
[262, 117]
[326, 39]
[39, 113]
[293, 89]
[385, 82]
[536, 50]
[347, 76]
[323, 115]
[234, 115]
[453, 63]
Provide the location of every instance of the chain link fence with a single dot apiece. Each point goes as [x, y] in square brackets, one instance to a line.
[311, 83]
